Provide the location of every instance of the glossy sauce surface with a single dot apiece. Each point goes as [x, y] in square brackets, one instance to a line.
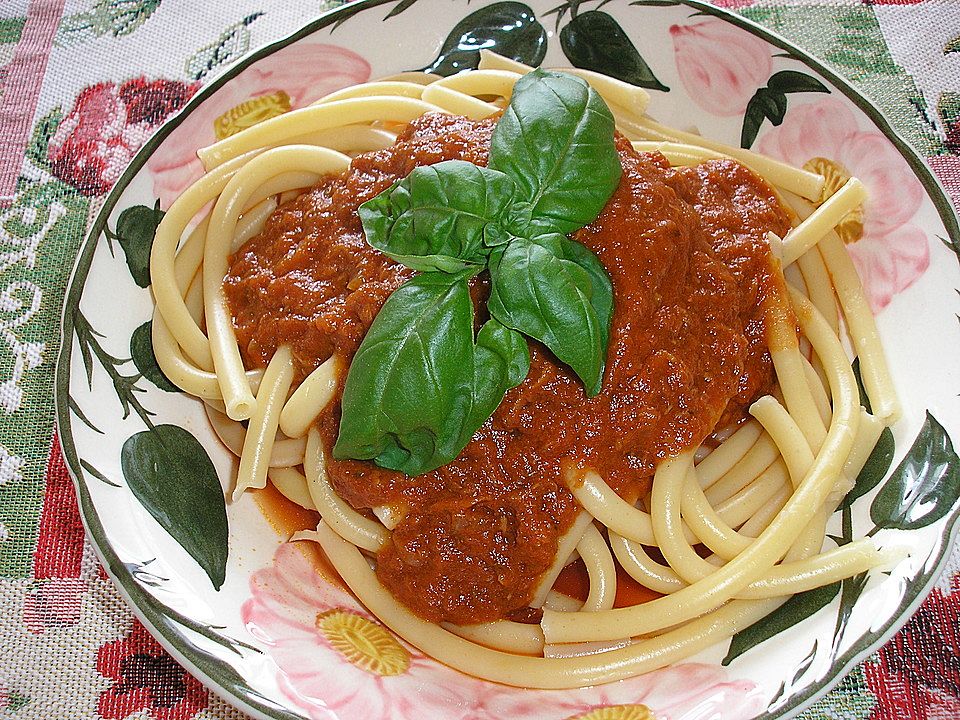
[687, 255]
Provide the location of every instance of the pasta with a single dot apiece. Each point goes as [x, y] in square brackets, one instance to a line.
[756, 497]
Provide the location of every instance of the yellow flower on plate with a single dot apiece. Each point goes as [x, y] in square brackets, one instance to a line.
[850, 228]
[250, 112]
[618, 712]
[366, 644]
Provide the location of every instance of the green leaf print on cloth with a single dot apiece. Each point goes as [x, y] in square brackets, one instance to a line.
[106, 17]
[232, 43]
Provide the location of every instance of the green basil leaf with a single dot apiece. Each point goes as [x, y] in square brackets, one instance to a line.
[406, 386]
[555, 140]
[418, 387]
[541, 293]
[501, 361]
[601, 296]
[170, 473]
[438, 216]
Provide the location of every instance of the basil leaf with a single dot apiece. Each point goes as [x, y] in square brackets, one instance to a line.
[501, 362]
[418, 387]
[437, 217]
[601, 296]
[555, 140]
[538, 291]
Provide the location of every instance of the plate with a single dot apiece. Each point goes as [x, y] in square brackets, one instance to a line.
[271, 639]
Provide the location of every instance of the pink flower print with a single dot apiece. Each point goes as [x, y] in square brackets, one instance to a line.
[54, 603]
[679, 692]
[291, 77]
[106, 126]
[720, 65]
[892, 252]
[334, 656]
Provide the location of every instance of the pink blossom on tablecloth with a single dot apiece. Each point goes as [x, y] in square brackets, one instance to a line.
[295, 611]
[893, 252]
[305, 71]
[107, 125]
[54, 603]
[720, 65]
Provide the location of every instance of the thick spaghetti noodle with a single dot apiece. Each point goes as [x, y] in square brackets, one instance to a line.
[757, 499]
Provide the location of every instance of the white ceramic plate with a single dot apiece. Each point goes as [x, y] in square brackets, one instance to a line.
[257, 640]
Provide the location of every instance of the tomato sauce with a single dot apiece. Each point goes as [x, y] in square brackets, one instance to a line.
[687, 255]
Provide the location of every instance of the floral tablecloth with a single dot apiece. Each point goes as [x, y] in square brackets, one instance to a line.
[82, 84]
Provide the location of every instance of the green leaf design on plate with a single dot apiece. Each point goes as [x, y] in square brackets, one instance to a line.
[125, 386]
[141, 350]
[770, 102]
[952, 244]
[850, 591]
[874, 469]
[924, 486]
[791, 81]
[170, 473]
[508, 28]
[797, 608]
[136, 228]
[952, 46]
[764, 105]
[399, 8]
[595, 41]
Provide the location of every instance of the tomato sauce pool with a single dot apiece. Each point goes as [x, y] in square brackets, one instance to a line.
[688, 258]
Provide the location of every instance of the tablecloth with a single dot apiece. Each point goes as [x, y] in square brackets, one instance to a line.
[82, 84]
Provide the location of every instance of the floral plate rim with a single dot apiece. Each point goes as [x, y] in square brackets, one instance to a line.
[219, 675]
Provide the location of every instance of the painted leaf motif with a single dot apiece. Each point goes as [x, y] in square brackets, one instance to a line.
[770, 102]
[952, 244]
[873, 470]
[797, 608]
[791, 81]
[136, 228]
[924, 486]
[508, 28]
[595, 41]
[170, 473]
[764, 105]
[850, 591]
[399, 8]
[141, 350]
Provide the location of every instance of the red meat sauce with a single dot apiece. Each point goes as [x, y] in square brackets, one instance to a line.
[687, 255]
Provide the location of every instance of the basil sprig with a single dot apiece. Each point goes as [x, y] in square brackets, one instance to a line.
[421, 383]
